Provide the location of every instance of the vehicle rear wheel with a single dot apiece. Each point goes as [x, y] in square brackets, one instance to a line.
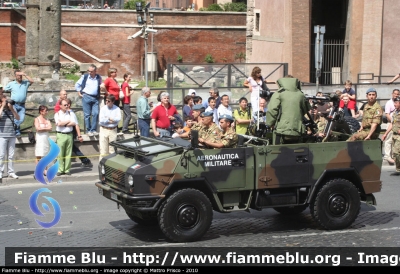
[291, 210]
[336, 204]
[145, 221]
[185, 216]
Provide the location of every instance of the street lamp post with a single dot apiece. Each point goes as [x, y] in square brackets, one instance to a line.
[143, 33]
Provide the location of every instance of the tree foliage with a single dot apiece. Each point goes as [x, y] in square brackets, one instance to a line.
[131, 4]
[231, 7]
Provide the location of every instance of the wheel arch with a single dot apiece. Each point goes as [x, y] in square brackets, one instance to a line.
[349, 174]
[196, 183]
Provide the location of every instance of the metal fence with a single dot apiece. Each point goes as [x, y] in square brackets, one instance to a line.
[332, 62]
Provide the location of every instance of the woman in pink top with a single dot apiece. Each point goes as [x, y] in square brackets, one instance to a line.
[111, 85]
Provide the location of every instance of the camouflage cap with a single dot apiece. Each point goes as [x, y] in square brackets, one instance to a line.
[207, 114]
[370, 90]
[226, 116]
[197, 107]
[397, 99]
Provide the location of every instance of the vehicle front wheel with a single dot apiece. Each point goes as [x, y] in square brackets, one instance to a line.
[185, 216]
[291, 210]
[336, 204]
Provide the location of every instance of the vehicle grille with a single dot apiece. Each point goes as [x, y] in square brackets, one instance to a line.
[140, 204]
[115, 176]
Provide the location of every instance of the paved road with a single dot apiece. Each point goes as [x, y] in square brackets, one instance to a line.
[89, 220]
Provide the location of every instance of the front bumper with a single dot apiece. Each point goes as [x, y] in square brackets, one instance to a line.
[139, 203]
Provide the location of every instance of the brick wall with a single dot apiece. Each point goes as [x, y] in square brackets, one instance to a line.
[301, 39]
[104, 34]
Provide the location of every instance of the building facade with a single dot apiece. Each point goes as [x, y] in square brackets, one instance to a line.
[361, 37]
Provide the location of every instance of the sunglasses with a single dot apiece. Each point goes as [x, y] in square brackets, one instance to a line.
[108, 101]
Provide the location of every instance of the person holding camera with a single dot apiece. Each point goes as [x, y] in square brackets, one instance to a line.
[286, 110]
[256, 83]
[19, 91]
[262, 111]
[7, 136]
[242, 116]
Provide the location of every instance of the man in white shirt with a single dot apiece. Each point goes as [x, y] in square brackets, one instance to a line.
[65, 121]
[110, 115]
[224, 107]
[389, 108]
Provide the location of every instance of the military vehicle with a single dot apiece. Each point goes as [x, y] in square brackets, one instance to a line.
[177, 185]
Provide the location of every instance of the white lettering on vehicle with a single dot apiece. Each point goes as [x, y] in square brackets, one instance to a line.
[217, 160]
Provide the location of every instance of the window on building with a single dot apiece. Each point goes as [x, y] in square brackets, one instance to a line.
[157, 3]
[257, 15]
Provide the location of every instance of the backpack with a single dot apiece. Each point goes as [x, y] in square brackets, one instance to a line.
[85, 77]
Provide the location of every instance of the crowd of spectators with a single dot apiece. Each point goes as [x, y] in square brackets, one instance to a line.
[103, 100]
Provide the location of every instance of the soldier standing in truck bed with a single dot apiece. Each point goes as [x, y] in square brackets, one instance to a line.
[372, 119]
[286, 110]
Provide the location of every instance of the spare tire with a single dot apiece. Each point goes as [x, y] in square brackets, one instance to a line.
[348, 125]
[353, 123]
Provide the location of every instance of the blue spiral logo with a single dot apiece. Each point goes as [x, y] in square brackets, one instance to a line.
[35, 209]
[51, 173]
[45, 161]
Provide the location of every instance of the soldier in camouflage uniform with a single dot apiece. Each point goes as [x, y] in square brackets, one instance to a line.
[209, 132]
[227, 138]
[394, 126]
[197, 110]
[372, 119]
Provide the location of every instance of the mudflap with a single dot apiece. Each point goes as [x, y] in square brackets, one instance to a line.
[370, 199]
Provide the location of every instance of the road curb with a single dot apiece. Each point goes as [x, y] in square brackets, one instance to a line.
[58, 179]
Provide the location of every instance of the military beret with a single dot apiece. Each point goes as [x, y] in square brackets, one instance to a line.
[397, 99]
[197, 107]
[207, 114]
[226, 116]
[370, 90]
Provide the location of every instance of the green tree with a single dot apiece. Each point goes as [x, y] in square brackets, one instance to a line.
[241, 56]
[131, 4]
[215, 7]
[14, 63]
[209, 58]
[235, 7]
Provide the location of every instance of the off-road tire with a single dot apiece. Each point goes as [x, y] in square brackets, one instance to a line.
[336, 204]
[145, 222]
[291, 210]
[353, 123]
[185, 216]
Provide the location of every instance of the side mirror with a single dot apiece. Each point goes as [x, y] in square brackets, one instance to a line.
[194, 139]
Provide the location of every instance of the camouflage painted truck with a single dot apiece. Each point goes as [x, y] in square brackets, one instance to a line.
[178, 186]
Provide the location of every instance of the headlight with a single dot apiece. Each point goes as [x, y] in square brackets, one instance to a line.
[103, 170]
[130, 180]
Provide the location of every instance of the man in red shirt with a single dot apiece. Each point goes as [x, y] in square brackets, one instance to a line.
[162, 116]
[63, 96]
